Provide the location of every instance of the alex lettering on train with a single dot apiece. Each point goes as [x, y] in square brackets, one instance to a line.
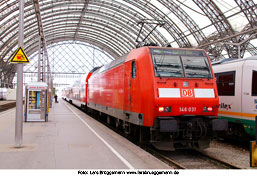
[225, 106]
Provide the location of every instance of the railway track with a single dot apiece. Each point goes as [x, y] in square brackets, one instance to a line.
[190, 159]
[4, 107]
[179, 159]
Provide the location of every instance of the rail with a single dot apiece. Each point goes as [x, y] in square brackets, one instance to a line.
[190, 159]
[4, 107]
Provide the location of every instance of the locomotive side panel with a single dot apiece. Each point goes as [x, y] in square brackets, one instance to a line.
[139, 89]
[146, 74]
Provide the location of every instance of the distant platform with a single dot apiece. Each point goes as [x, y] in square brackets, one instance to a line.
[69, 140]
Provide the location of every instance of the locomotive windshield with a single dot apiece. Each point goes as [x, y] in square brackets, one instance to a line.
[180, 63]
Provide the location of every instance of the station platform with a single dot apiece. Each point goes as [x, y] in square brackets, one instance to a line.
[69, 140]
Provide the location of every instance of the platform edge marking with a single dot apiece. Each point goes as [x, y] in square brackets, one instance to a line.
[107, 144]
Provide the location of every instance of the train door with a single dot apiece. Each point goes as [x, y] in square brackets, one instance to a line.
[249, 88]
[127, 86]
[134, 87]
[130, 85]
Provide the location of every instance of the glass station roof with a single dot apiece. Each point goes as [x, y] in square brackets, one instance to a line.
[117, 26]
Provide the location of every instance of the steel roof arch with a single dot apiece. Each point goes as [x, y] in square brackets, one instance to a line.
[117, 21]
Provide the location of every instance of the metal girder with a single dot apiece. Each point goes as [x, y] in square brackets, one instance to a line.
[57, 29]
[124, 12]
[131, 17]
[157, 14]
[81, 18]
[53, 32]
[249, 8]
[91, 41]
[251, 49]
[44, 59]
[73, 58]
[100, 49]
[112, 25]
[93, 21]
[98, 37]
[119, 7]
[253, 30]
[14, 7]
[185, 19]
[121, 12]
[216, 17]
[223, 27]
[218, 20]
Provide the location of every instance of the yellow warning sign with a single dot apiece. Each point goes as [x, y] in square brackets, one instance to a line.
[19, 56]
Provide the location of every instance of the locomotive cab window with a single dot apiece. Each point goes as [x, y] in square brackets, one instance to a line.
[254, 83]
[196, 67]
[226, 83]
[180, 63]
[134, 70]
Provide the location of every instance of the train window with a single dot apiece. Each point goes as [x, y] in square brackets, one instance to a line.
[180, 63]
[167, 66]
[134, 69]
[226, 83]
[196, 67]
[254, 83]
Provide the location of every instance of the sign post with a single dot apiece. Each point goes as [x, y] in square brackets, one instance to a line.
[19, 98]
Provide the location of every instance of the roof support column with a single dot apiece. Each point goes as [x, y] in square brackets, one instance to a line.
[43, 49]
[39, 59]
[19, 96]
[81, 18]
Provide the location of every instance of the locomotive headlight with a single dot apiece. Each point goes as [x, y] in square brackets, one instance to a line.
[164, 109]
[208, 109]
[161, 109]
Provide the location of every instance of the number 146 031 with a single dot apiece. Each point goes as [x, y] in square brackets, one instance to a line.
[187, 109]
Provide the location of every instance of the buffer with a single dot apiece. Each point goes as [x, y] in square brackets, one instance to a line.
[19, 56]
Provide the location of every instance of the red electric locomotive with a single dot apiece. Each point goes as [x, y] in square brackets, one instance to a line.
[166, 96]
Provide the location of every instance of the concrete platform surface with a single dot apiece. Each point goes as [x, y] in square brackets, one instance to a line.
[70, 140]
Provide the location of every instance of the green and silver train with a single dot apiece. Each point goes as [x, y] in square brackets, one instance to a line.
[237, 88]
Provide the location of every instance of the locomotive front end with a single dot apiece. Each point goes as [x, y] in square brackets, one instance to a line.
[186, 99]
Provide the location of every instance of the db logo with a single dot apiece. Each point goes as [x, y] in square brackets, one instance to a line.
[187, 92]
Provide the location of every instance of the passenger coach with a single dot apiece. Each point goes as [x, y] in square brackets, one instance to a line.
[237, 87]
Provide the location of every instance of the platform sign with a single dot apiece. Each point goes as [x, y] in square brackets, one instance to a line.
[19, 56]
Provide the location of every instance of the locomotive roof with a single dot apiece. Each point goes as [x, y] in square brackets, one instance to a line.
[233, 60]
